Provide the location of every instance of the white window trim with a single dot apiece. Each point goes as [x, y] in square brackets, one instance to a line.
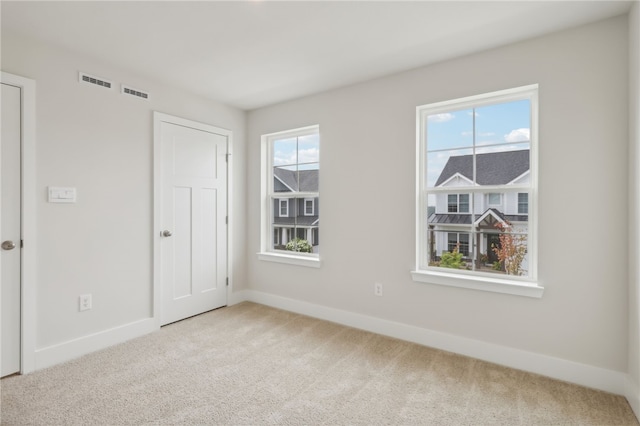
[281, 202]
[266, 234]
[529, 286]
[518, 203]
[313, 206]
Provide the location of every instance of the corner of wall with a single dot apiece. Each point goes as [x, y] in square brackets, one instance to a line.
[632, 389]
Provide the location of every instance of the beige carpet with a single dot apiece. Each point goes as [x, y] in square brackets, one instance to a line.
[252, 365]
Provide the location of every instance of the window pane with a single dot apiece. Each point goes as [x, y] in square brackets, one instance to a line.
[309, 151]
[452, 129]
[503, 123]
[449, 249]
[523, 203]
[285, 152]
[450, 168]
[463, 206]
[452, 203]
[494, 199]
[503, 167]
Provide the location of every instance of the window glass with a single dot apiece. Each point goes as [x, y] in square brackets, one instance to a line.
[292, 182]
[476, 160]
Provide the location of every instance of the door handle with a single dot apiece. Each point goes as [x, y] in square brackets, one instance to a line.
[8, 245]
[166, 233]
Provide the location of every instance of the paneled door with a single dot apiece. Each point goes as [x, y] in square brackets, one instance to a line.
[193, 222]
[10, 229]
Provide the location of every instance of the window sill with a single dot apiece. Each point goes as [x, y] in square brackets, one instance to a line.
[308, 261]
[505, 286]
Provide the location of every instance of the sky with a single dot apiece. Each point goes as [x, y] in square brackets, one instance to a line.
[303, 151]
[499, 127]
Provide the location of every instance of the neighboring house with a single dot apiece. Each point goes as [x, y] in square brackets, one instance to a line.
[451, 222]
[295, 216]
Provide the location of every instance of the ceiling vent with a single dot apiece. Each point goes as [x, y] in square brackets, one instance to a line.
[134, 92]
[96, 81]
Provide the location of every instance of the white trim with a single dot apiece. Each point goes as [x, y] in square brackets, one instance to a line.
[299, 260]
[280, 203]
[557, 368]
[632, 393]
[457, 175]
[65, 351]
[158, 119]
[313, 206]
[29, 223]
[477, 282]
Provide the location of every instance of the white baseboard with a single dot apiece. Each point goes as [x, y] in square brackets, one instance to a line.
[632, 394]
[66, 351]
[569, 371]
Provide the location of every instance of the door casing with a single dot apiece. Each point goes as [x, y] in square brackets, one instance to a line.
[159, 118]
[28, 270]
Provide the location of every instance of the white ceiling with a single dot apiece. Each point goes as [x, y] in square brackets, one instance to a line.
[254, 53]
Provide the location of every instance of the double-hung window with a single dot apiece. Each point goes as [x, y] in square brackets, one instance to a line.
[291, 198]
[476, 192]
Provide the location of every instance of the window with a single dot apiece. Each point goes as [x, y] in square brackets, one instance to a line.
[308, 206]
[477, 155]
[284, 207]
[458, 203]
[459, 242]
[290, 191]
[495, 199]
[523, 203]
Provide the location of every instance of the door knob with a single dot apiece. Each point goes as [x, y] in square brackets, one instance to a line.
[166, 233]
[8, 245]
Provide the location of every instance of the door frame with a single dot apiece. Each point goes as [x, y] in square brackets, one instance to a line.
[28, 268]
[158, 119]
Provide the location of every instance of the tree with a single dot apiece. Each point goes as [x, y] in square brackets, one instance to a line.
[299, 245]
[512, 249]
[452, 259]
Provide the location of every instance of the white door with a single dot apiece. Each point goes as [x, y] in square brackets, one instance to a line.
[10, 230]
[193, 220]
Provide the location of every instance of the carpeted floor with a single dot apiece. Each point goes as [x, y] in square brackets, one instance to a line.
[252, 365]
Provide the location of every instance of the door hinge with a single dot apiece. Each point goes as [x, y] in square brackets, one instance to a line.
[227, 157]
[21, 243]
[227, 281]
[226, 220]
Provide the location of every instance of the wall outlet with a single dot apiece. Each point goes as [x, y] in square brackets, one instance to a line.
[377, 289]
[85, 302]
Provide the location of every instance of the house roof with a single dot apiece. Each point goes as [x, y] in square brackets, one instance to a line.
[297, 181]
[297, 221]
[495, 168]
[465, 219]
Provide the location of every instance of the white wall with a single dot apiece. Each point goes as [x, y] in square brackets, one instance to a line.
[633, 388]
[368, 157]
[101, 142]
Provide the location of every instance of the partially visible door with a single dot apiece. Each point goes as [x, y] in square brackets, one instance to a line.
[493, 241]
[193, 220]
[10, 229]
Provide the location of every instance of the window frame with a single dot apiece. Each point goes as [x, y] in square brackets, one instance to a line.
[313, 207]
[508, 284]
[283, 202]
[267, 193]
[520, 204]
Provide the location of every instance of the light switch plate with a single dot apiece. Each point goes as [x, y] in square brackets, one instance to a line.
[59, 194]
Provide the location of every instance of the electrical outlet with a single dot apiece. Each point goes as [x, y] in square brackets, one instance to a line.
[377, 289]
[85, 302]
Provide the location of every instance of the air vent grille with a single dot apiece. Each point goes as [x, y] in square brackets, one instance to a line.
[134, 92]
[97, 81]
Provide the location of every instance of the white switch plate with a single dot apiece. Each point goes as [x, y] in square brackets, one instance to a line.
[59, 194]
